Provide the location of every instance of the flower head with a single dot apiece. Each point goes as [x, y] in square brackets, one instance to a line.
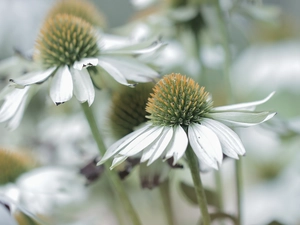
[12, 165]
[128, 109]
[182, 113]
[80, 8]
[65, 39]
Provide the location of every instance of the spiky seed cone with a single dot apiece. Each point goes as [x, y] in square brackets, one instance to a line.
[128, 109]
[65, 39]
[79, 8]
[12, 165]
[177, 100]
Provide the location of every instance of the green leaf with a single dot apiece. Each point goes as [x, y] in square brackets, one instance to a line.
[190, 194]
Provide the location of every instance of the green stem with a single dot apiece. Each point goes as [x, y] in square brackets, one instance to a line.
[193, 164]
[112, 175]
[164, 189]
[218, 179]
[238, 175]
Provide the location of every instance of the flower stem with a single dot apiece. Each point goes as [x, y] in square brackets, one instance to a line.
[218, 180]
[112, 175]
[193, 164]
[226, 48]
[164, 189]
[238, 175]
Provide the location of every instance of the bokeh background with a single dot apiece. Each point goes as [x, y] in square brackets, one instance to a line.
[265, 42]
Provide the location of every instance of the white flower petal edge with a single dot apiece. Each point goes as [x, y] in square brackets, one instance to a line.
[244, 106]
[230, 141]
[177, 145]
[84, 63]
[61, 89]
[83, 86]
[16, 119]
[141, 141]
[159, 146]
[12, 103]
[131, 69]
[32, 78]
[136, 48]
[242, 118]
[115, 73]
[206, 145]
[114, 148]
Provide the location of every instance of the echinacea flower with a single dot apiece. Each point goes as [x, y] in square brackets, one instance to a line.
[182, 113]
[66, 46]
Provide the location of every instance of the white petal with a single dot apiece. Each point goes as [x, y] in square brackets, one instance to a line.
[84, 63]
[131, 69]
[230, 141]
[6, 217]
[16, 119]
[32, 78]
[244, 106]
[242, 118]
[83, 86]
[62, 86]
[177, 145]
[114, 72]
[136, 48]
[12, 102]
[205, 144]
[161, 144]
[115, 148]
[117, 161]
[142, 141]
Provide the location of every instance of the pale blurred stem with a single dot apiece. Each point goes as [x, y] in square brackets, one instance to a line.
[226, 47]
[111, 174]
[164, 189]
[201, 198]
[219, 187]
[238, 175]
[226, 69]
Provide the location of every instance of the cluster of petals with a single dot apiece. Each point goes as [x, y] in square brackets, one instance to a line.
[209, 139]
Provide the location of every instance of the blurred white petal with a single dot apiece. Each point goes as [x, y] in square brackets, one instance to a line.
[32, 78]
[84, 63]
[62, 86]
[83, 86]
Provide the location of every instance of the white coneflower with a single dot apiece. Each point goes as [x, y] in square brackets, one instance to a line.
[182, 113]
[66, 46]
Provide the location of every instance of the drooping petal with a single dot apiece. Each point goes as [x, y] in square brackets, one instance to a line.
[32, 78]
[161, 144]
[131, 69]
[83, 86]
[242, 118]
[61, 89]
[12, 102]
[138, 48]
[141, 142]
[84, 63]
[118, 160]
[205, 144]
[244, 106]
[177, 145]
[230, 141]
[114, 72]
[16, 119]
[115, 148]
